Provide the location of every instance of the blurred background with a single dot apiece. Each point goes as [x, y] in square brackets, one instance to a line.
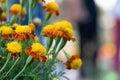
[97, 30]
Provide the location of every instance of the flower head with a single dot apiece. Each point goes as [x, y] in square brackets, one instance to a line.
[3, 17]
[37, 51]
[23, 30]
[2, 1]
[14, 48]
[40, 1]
[74, 62]
[15, 9]
[15, 25]
[62, 29]
[48, 31]
[6, 30]
[52, 7]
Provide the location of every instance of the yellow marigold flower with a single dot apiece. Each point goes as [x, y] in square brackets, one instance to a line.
[69, 32]
[15, 8]
[36, 39]
[55, 79]
[49, 31]
[74, 62]
[39, 49]
[64, 29]
[40, 1]
[3, 16]
[62, 25]
[14, 47]
[23, 30]
[2, 1]
[6, 30]
[52, 7]
[15, 25]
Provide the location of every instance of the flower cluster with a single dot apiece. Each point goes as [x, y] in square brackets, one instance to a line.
[62, 29]
[21, 47]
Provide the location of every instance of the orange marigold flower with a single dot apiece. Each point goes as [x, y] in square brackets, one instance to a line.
[37, 51]
[15, 9]
[74, 62]
[62, 29]
[23, 32]
[52, 7]
[6, 32]
[48, 31]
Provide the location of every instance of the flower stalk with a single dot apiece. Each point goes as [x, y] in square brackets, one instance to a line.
[12, 67]
[8, 58]
[25, 66]
[30, 11]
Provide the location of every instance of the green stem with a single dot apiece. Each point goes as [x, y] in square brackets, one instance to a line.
[12, 66]
[13, 19]
[47, 17]
[30, 11]
[26, 64]
[8, 58]
[21, 1]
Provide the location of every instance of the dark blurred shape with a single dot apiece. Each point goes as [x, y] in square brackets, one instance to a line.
[88, 32]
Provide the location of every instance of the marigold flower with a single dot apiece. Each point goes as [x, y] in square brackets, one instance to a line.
[23, 30]
[64, 29]
[40, 1]
[3, 17]
[2, 1]
[52, 7]
[74, 62]
[15, 8]
[49, 31]
[16, 25]
[6, 32]
[37, 51]
[14, 48]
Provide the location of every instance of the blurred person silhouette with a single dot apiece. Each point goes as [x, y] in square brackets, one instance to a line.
[89, 39]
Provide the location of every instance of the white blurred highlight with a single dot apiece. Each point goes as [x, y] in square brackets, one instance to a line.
[106, 5]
